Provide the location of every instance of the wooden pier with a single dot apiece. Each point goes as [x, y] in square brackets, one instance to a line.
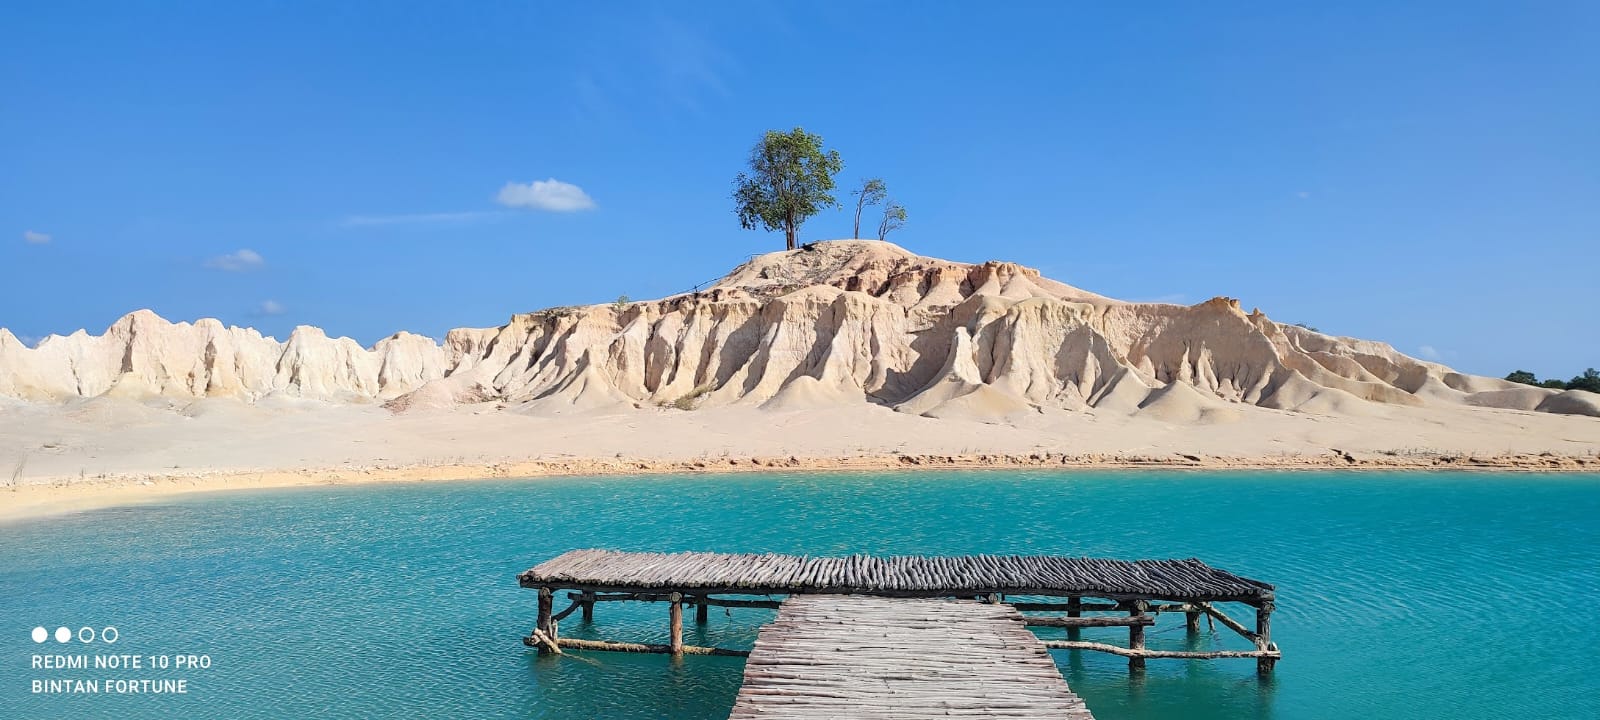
[859, 656]
[923, 623]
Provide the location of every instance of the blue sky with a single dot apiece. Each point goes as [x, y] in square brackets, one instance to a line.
[1426, 174]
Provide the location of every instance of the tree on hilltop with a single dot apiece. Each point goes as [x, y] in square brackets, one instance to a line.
[894, 216]
[871, 192]
[790, 179]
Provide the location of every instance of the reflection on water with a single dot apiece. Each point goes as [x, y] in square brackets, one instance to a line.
[402, 600]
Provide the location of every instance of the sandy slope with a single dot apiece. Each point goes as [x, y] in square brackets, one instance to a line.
[848, 352]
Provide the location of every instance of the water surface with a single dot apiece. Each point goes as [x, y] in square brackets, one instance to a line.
[1400, 595]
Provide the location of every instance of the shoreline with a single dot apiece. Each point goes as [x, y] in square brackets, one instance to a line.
[52, 496]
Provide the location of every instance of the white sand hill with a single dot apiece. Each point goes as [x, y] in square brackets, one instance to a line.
[840, 348]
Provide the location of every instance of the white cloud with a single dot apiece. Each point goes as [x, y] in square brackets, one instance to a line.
[1428, 352]
[1303, 195]
[441, 217]
[237, 261]
[552, 195]
[271, 307]
[29, 340]
[32, 237]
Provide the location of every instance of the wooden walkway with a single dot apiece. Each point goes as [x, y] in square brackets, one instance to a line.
[698, 573]
[842, 657]
[1119, 593]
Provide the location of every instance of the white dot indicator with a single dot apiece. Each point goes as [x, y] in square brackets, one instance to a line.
[40, 634]
[63, 634]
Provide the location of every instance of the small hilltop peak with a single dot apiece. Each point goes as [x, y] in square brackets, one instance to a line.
[886, 270]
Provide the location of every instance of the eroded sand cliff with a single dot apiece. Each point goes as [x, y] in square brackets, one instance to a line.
[833, 324]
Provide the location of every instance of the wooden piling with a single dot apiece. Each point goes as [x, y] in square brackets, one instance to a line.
[588, 606]
[1136, 634]
[701, 610]
[1074, 609]
[544, 629]
[675, 619]
[1191, 621]
[1263, 638]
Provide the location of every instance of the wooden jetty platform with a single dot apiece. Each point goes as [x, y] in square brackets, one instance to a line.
[855, 656]
[1096, 593]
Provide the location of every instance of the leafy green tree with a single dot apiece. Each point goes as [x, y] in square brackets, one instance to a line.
[871, 192]
[894, 216]
[1523, 376]
[790, 179]
[1589, 380]
[1553, 384]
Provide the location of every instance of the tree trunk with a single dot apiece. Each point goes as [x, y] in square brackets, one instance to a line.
[789, 233]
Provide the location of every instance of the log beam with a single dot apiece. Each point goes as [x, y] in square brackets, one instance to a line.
[663, 597]
[610, 646]
[1232, 624]
[1175, 654]
[1083, 622]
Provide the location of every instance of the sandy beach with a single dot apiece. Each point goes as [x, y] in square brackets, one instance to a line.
[107, 452]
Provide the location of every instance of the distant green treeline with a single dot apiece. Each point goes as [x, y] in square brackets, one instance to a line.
[1589, 380]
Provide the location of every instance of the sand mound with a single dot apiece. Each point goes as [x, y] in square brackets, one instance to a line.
[1572, 402]
[809, 393]
[1181, 403]
[439, 395]
[1518, 398]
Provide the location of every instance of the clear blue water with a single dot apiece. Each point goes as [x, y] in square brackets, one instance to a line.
[1400, 596]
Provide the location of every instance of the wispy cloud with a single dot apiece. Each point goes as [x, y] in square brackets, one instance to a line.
[419, 218]
[239, 261]
[271, 307]
[1429, 352]
[690, 64]
[552, 195]
[33, 237]
[29, 340]
[1303, 195]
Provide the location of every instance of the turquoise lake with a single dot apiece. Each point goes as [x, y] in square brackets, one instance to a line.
[1399, 595]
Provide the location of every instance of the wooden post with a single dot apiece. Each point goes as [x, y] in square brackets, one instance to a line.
[1191, 619]
[1136, 635]
[1264, 637]
[588, 606]
[675, 617]
[701, 609]
[1074, 609]
[545, 624]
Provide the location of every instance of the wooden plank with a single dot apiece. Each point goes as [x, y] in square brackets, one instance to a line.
[871, 657]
